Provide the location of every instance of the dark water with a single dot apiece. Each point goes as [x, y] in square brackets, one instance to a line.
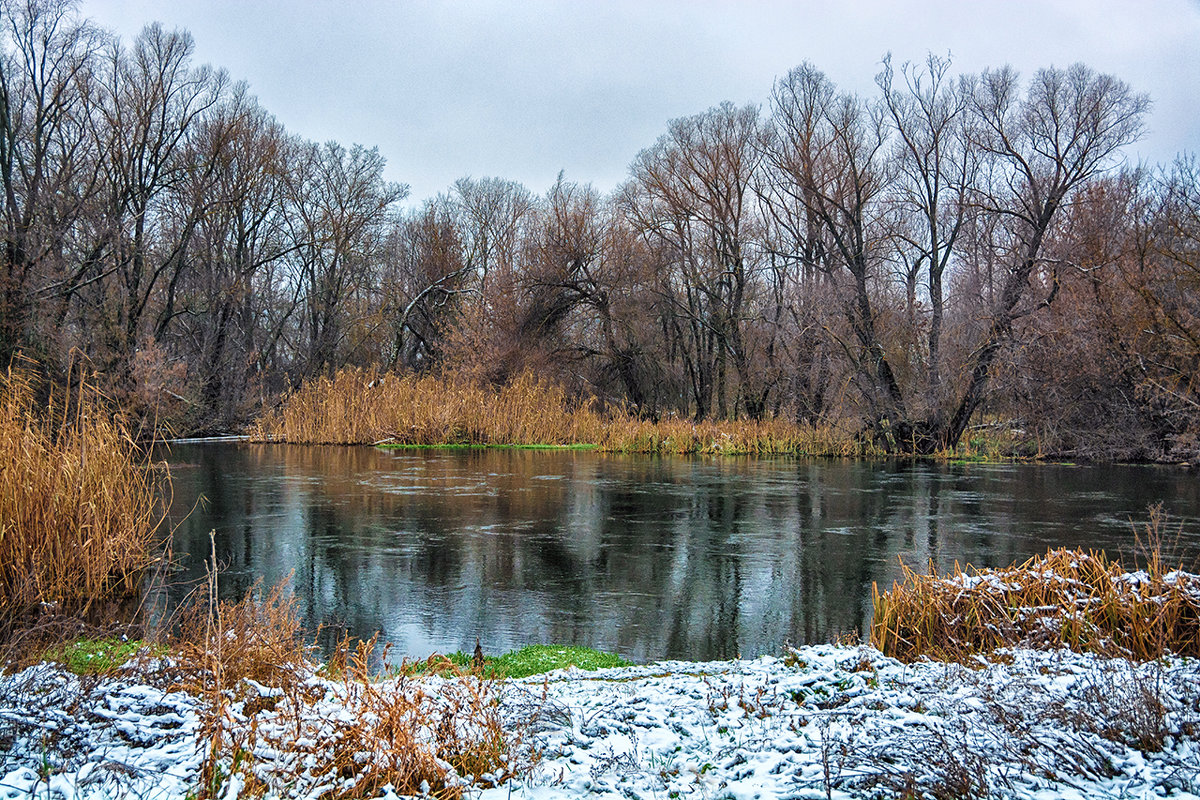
[648, 557]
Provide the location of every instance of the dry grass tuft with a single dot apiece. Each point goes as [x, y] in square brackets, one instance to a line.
[1066, 598]
[80, 506]
[274, 727]
[359, 406]
[258, 638]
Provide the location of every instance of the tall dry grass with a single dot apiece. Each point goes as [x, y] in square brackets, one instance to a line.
[627, 434]
[1066, 598]
[361, 406]
[358, 406]
[80, 504]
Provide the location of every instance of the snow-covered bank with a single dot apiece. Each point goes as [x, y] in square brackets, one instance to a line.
[825, 721]
[63, 736]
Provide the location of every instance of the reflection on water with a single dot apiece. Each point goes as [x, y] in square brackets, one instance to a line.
[649, 557]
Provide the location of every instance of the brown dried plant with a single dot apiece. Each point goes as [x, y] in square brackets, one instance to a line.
[278, 726]
[1067, 598]
[358, 406]
[81, 505]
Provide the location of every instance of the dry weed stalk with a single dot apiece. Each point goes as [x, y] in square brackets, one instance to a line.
[80, 505]
[1066, 598]
[275, 727]
[358, 406]
[259, 638]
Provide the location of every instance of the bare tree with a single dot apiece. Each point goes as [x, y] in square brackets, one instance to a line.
[342, 203]
[693, 191]
[1038, 149]
[151, 104]
[215, 308]
[425, 278]
[47, 164]
[491, 213]
[935, 168]
[829, 152]
[961, 150]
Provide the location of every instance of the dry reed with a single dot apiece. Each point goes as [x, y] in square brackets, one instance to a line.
[1066, 598]
[358, 406]
[727, 437]
[80, 505]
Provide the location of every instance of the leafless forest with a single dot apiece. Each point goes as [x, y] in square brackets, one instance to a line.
[949, 251]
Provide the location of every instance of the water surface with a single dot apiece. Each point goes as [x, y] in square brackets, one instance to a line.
[695, 558]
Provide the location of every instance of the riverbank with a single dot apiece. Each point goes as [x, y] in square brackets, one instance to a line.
[822, 721]
[365, 406]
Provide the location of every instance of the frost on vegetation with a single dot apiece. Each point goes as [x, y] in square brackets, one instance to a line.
[851, 723]
[1066, 598]
[823, 722]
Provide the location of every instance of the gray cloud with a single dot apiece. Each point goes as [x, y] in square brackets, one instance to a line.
[522, 90]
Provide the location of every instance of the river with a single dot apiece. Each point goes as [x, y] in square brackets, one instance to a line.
[650, 557]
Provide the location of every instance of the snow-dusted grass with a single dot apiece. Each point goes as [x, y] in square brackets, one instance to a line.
[69, 736]
[822, 722]
[1066, 598]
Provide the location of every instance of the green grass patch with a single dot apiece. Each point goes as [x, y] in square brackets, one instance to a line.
[538, 658]
[95, 656]
[533, 659]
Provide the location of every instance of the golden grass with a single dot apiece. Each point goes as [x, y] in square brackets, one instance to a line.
[258, 638]
[1066, 598]
[358, 406]
[80, 505]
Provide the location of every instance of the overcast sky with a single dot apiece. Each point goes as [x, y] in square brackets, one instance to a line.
[522, 90]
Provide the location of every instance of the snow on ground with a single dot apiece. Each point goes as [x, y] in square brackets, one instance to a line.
[62, 736]
[825, 721]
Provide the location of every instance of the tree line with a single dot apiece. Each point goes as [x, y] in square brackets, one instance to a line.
[950, 251]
